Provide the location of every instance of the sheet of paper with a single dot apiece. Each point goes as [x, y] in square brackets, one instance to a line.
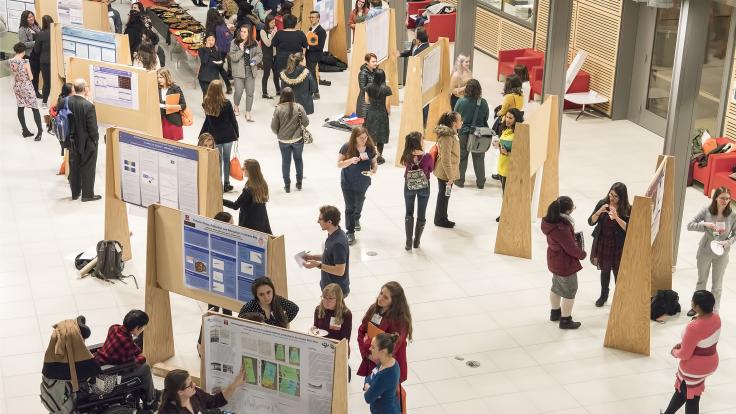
[299, 258]
[168, 180]
[130, 173]
[114, 87]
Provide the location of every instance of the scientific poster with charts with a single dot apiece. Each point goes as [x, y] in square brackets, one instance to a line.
[10, 11]
[88, 44]
[326, 9]
[431, 69]
[114, 87]
[222, 258]
[70, 12]
[285, 372]
[157, 172]
[377, 31]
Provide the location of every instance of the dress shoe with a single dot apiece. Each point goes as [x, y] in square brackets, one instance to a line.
[480, 185]
[446, 224]
[93, 198]
[266, 96]
[325, 82]
[315, 96]
[75, 197]
[227, 188]
[380, 160]
[602, 299]
[566, 322]
[496, 177]
[38, 136]
[27, 134]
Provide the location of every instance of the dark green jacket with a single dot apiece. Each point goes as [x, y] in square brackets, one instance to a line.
[466, 108]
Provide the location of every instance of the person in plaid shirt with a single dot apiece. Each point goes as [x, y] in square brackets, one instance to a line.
[120, 348]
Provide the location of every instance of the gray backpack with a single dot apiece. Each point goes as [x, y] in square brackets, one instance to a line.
[109, 260]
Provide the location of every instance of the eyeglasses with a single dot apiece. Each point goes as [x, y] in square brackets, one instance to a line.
[328, 299]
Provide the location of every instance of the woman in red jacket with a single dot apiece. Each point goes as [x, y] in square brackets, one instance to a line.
[389, 314]
[563, 260]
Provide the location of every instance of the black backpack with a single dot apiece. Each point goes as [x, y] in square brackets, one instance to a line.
[109, 260]
[665, 302]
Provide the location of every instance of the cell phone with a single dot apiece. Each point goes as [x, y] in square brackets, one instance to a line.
[448, 190]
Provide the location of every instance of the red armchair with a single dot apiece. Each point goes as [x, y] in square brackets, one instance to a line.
[507, 59]
[581, 83]
[716, 172]
[414, 7]
[441, 25]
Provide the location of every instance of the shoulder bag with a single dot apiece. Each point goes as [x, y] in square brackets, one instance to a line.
[306, 135]
[479, 138]
[415, 178]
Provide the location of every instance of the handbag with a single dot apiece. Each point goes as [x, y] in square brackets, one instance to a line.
[306, 135]
[187, 119]
[236, 168]
[480, 138]
[416, 179]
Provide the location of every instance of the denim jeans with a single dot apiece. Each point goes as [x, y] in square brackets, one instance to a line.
[422, 197]
[287, 152]
[224, 150]
[353, 206]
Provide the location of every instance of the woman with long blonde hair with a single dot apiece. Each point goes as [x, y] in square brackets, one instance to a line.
[461, 74]
[332, 314]
[221, 122]
[252, 201]
[300, 80]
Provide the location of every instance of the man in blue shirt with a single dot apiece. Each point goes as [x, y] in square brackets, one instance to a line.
[335, 259]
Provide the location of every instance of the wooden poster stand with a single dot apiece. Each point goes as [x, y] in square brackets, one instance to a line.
[529, 153]
[412, 118]
[146, 118]
[336, 39]
[339, 378]
[165, 275]
[94, 13]
[122, 56]
[645, 268]
[357, 58]
[116, 214]
[550, 186]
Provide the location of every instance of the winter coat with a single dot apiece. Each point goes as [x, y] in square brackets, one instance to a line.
[237, 62]
[563, 253]
[303, 84]
[365, 78]
[447, 166]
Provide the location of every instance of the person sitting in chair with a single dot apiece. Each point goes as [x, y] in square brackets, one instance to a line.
[120, 348]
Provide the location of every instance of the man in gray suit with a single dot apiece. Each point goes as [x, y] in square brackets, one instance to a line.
[84, 138]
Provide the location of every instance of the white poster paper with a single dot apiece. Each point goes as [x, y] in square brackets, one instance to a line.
[431, 69]
[377, 30]
[88, 44]
[70, 12]
[285, 372]
[326, 9]
[114, 87]
[655, 191]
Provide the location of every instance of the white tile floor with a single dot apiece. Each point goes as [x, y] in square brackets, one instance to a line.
[467, 303]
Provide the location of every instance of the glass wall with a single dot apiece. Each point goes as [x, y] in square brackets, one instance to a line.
[520, 11]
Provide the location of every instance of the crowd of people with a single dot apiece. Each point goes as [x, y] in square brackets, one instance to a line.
[246, 39]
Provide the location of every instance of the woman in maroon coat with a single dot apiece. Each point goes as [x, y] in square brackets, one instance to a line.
[563, 260]
[390, 314]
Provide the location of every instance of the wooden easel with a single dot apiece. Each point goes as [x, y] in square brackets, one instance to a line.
[336, 39]
[116, 213]
[437, 96]
[357, 58]
[165, 275]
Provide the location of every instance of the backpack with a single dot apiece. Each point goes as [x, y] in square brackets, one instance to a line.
[61, 124]
[109, 260]
[665, 302]
[57, 396]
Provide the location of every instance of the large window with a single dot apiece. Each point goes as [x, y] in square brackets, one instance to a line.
[520, 11]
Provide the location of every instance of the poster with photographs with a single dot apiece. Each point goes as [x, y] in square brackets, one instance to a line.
[285, 372]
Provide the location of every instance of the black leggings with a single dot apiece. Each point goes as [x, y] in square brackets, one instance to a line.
[606, 276]
[36, 117]
[679, 398]
[379, 145]
[269, 70]
[46, 72]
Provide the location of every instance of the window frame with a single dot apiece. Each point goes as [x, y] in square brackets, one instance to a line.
[508, 16]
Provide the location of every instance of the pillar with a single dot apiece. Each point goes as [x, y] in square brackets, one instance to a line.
[465, 29]
[555, 58]
[687, 69]
[347, 8]
[399, 7]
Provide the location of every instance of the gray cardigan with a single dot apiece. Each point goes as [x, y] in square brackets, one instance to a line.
[238, 64]
[696, 224]
[286, 127]
[26, 34]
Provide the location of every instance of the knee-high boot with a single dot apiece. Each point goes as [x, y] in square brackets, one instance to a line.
[418, 232]
[409, 227]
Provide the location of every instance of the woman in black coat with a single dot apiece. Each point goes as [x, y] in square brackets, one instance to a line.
[220, 121]
[135, 29]
[300, 80]
[42, 49]
[252, 201]
[171, 123]
[210, 63]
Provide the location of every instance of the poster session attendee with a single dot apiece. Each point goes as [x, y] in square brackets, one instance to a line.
[505, 144]
[357, 159]
[288, 41]
[288, 118]
[182, 396]
[27, 31]
[379, 390]
[252, 201]
[277, 310]
[297, 77]
[334, 262]
[221, 122]
[332, 314]
[415, 160]
[316, 38]
[474, 110]
[365, 78]
[461, 74]
[25, 97]
[171, 122]
[84, 139]
[378, 111]
[245, 56]
[210, 63]
[42, 51]
[269, 57]
[717, 222]
[357, 15]
[447, 166]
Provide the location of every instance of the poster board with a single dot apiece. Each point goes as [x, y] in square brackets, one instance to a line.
[10, 11]
[93, 13]
[655, 191]
[286, 372]
[663, 246]
[550, 185]
[378, 31]
[165, 275]
[127, 96]
[431, 67]
[574, 68]
[327, 13]
[357, 58]
[192, 183]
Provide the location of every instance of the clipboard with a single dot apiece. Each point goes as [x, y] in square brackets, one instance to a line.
[373, 330]
[172, 99]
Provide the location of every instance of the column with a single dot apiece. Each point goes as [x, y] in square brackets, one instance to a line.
[465, 29]
[687, 69]
[347, 8]
[399, 7]
[555, 58]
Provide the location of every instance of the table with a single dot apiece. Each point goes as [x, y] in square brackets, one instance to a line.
[585, 99]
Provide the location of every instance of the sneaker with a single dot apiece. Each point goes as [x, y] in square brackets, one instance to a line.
[351, 239]
[357, 225]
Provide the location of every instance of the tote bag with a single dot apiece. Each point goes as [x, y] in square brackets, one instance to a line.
[236, 167]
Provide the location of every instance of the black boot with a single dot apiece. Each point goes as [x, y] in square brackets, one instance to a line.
[602, 300]
[409, 227]
[418, 232]
[555, 315]
[566, 322]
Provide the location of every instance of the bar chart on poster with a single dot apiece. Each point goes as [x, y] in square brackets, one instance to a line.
[114, 87]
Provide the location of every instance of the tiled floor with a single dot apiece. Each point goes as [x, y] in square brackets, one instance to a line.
[467, 303]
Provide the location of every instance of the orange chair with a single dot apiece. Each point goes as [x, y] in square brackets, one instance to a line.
[507, 59]
[718, 165]
[441, 25]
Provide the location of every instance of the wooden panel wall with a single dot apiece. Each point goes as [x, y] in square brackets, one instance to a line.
[493, 32]
[729, 124]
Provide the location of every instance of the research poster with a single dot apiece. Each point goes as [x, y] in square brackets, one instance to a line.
[327, 18]
[431, 69]
[10, 11]
[114, 87]
[157, 172]
[285, 372]
[656, 192]
[377, 30]
[222, 258]
[70, 12]
[88, 44]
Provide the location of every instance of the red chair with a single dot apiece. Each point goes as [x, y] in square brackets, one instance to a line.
[441, 25]
[414, 7]
[581, 83]
[718, 164]
[507, 59]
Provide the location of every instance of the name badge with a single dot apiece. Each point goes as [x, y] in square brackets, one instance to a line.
[334, 325]
[376, 319]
